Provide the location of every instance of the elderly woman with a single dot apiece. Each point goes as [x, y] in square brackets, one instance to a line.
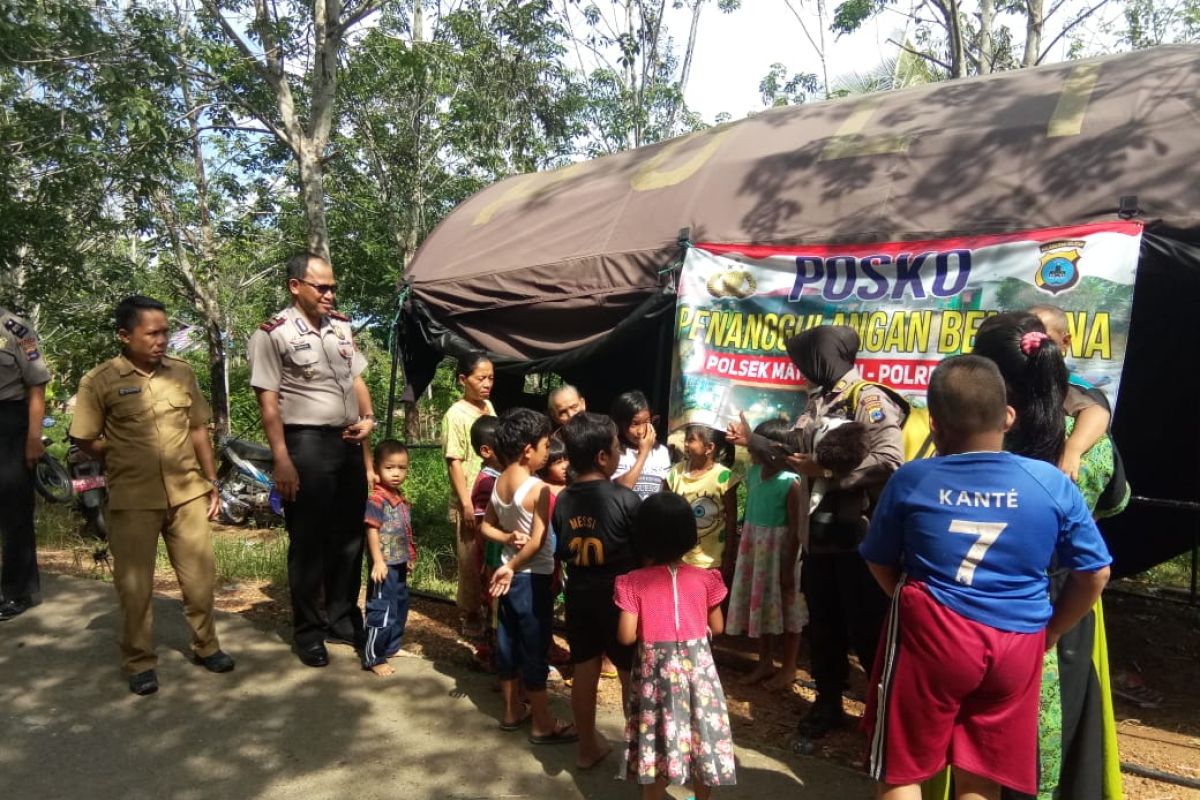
[1077, 731]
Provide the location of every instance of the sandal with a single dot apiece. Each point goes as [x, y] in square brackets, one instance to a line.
[563, 734]
[509, 727]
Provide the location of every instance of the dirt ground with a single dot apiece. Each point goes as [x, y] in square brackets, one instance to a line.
[1154, 649]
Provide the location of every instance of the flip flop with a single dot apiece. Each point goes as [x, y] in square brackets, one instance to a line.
[564, 735]
[509, 727]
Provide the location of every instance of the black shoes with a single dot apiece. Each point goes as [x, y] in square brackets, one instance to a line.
[822, 718]
[312, 655]
[217, 662]
[143, 683]
[15, 607]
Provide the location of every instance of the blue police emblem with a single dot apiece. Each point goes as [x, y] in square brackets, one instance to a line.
[1058, 269]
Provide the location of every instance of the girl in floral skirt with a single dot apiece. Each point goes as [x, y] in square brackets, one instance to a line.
[677, 727]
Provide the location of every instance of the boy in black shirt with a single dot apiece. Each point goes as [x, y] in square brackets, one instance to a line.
[593, 520]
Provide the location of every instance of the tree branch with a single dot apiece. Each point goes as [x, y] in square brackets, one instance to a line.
[1066, 29]
[352, 18]
[919, 54]
[803, 27]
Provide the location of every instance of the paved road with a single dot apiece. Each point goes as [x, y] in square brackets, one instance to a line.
[274, 729]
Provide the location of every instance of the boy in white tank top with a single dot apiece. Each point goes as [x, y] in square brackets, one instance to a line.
[516, 518]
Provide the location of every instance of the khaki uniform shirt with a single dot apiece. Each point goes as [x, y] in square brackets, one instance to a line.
[882, 419]
[146, 421]
[849, 505]
[313, 370]
[21, 364]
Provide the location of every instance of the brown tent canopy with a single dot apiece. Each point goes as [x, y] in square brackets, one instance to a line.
[539, 263]
[563, 270]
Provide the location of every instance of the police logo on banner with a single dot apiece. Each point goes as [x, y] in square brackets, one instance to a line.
[1058, 269]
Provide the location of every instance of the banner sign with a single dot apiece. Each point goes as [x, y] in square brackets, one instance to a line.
[912, 303]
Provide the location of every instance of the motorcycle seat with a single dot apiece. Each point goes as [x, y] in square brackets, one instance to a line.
[250, 450]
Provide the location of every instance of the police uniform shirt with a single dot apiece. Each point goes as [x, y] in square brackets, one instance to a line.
[877, 412]
[146, 420]
[312, 370]
[21, 364]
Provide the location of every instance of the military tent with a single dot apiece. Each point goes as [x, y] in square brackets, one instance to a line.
[570, 270]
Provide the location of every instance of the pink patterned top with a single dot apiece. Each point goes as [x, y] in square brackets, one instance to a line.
[670, 610]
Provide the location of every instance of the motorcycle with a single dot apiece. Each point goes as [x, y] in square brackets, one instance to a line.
[82, 480]
[245, 484]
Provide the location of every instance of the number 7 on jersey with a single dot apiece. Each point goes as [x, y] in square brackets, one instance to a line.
[988, 533]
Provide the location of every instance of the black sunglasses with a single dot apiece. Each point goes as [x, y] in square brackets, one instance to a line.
[321, 288]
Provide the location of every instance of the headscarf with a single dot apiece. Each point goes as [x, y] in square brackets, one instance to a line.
[824, 354]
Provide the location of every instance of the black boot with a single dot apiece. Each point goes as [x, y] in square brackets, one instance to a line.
[825, 715]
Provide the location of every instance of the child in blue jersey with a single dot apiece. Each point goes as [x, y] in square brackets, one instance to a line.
[962, 543]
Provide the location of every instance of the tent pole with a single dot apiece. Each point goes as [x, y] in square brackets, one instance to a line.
[391, 401]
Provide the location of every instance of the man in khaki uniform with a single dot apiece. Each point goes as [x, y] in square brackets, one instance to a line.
[23, 379]
[316, 413]
[142, 412]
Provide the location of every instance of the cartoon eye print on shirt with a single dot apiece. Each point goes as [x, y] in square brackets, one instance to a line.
[706, 511]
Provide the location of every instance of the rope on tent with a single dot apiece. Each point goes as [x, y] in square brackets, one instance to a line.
[667, 274]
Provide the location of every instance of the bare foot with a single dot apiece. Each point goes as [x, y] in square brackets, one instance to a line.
[780, 680]
[764, 670]
[592, 756]
[383, 669]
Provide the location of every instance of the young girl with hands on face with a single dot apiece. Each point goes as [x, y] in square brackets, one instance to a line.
[643, 462]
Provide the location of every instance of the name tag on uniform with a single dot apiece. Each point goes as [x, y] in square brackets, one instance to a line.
[129, 390]
[17, 328]
[299, 345]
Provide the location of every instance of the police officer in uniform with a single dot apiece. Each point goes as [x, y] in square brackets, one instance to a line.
[143, 414]
[316, 413]
[846, 606]
[23, 379]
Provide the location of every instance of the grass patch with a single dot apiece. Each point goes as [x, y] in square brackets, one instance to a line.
[260, 554]
[254, 556]
[1175, 573]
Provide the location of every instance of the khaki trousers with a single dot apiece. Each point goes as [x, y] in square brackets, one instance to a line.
[133, 542]
[469, 596]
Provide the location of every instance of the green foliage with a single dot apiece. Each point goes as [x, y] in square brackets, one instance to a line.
[1153, 22]
[902, 70]
[777, 89]
[1175, 573]
[850, 15]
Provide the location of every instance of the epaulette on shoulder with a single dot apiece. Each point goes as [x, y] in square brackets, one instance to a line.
[272, 323]
[16, 326]
[338, 316]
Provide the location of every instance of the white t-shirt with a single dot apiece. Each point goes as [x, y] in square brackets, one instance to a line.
[513, 517]
[654, 471]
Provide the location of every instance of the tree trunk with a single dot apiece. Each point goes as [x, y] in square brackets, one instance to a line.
[821, 51]
[312, 187]
[686, 71]
[204, 279]
[958, 61]
[987, 14]
[218, 378]
[1034, 21]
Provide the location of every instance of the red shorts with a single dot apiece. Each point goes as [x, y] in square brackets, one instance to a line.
[949, 690]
